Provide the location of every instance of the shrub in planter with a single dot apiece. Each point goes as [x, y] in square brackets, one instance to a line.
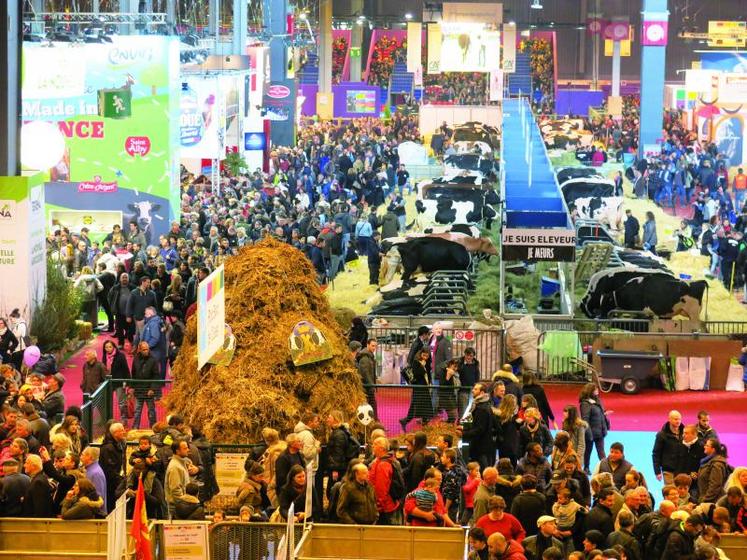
[54, 320]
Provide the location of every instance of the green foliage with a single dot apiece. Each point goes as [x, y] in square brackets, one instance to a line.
[54, 320]
[235, 163]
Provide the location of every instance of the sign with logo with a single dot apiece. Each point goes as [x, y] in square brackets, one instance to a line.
[97, 186]
[255, 141]
[538, 244]
[137, 146]
[496, 85]
[616, 30]
[509, 48]
[654, 33]
[115, 103]
[434, 48]
[202, 124]
[308, 345]
[7, 210]
[278, 100]
[211, 316]
[727, 34]
[466, 336]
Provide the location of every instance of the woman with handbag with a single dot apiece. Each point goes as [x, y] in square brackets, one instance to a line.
[420, 404]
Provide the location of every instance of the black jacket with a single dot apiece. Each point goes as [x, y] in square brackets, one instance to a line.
[420, 461]
[119, 369]
[689, 457]
[628, 541]
[145, 369]
[138, 301]
[13, 488]
[541, 435]
[593, 414]
[666, 450]
[618, 474]
[538, 393]
[528, 507]
[65, 481]
[38, 499]
[600, 518]
[480, 433]
[283, 466]
[336, 446]
[111, 459]
[680, 545]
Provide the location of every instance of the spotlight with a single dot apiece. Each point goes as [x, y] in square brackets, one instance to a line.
[408, 15]
[303, 16]
[512, 22]
[536, 4]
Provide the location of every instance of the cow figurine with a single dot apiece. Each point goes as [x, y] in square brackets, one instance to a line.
[143, 215]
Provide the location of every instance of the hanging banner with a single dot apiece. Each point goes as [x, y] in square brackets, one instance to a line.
[211, 316]
[496, 85]
[509, 48]
[202, 127]
[434, 48]
[278, 100]
[472, 12]
[414, 45]
[469, 47]
[418, 76]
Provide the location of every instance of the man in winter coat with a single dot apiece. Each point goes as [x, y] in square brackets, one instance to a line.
[667, 448]
[632, 228]
[291, 456]
[536, 545]
[14, 486]
[479, 432]
[118, 298]
[681, 540]
[112, 458]
[365, 361]
[89, 459]
[140, 299]
[38, 499]
[502, 549]
[356, 504]
[145, 368]
[600, 516]
[153, 334]
[107, 279]
[535, 463]
[178, 474]
[94, 373]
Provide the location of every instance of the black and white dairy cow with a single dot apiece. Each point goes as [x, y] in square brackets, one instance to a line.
[652, 291]
[606, 210]
[449, 204]
[579, 187]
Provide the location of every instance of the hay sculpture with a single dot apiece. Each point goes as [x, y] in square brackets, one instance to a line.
[269, 288]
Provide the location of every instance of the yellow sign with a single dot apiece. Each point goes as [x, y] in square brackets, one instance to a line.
[625, 44]
[727, 33]
[308, 345]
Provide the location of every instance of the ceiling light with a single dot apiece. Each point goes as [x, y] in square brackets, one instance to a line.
[361, 18]
[512, 22]
[536, 4]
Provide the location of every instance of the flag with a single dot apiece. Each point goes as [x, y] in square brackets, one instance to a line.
[139, 530]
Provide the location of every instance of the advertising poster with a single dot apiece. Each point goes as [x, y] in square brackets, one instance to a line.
[211, 316]
[229, 472]
[185, 541]
[434, 48]
[509, 48]
[23, 264]
[414, 45]
[277, 102]
[496, 85]
[202, 126]
[105, 114]
[469, 47]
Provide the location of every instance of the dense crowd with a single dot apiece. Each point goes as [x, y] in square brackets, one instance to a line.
[386, 51]
[457, 88]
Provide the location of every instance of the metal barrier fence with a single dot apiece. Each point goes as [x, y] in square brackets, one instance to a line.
[256, 541]
[547, 323]
[109, 401]
[395, 342]
[404, 408]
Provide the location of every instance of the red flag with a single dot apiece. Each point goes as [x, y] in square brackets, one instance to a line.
[139, 530]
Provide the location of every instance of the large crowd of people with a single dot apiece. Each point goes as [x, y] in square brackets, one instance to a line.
[457, 88]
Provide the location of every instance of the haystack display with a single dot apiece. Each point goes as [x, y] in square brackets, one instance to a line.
[270, 288]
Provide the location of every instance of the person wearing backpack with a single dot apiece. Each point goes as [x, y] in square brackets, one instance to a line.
[341, 448]
[385, 474]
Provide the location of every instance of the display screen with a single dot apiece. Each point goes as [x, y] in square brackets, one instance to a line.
[361, 101]
[255, 141]
[469, 47]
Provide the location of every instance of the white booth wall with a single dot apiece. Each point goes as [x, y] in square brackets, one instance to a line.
[433, 116]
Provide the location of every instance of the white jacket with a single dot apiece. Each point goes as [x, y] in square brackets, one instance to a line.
[311, 445]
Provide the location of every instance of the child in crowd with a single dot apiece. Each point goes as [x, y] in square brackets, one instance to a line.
[569, 514]
[426, 497]
[469, 489]
[684, 500]
[188, 506]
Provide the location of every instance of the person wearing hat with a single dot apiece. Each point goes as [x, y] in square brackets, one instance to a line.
[54, 400]
[536, 545]
[252, 491]
[15, 484]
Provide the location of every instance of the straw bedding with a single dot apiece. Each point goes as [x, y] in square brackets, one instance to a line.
[269, 287]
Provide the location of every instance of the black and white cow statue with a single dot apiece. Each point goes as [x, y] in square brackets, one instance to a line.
[638, 289]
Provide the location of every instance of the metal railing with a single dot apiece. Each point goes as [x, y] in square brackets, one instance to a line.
[110, 402]
[395, 342]
[547, 323]
[259, 541]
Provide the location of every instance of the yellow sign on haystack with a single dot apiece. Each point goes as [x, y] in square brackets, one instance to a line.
[308, 345]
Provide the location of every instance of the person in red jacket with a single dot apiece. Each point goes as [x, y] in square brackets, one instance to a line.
[469, 489]
[417, 518]
[380, 475]
[502, 549]
[498, 521]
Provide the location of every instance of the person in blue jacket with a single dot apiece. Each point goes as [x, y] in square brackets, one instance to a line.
[155, 336]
